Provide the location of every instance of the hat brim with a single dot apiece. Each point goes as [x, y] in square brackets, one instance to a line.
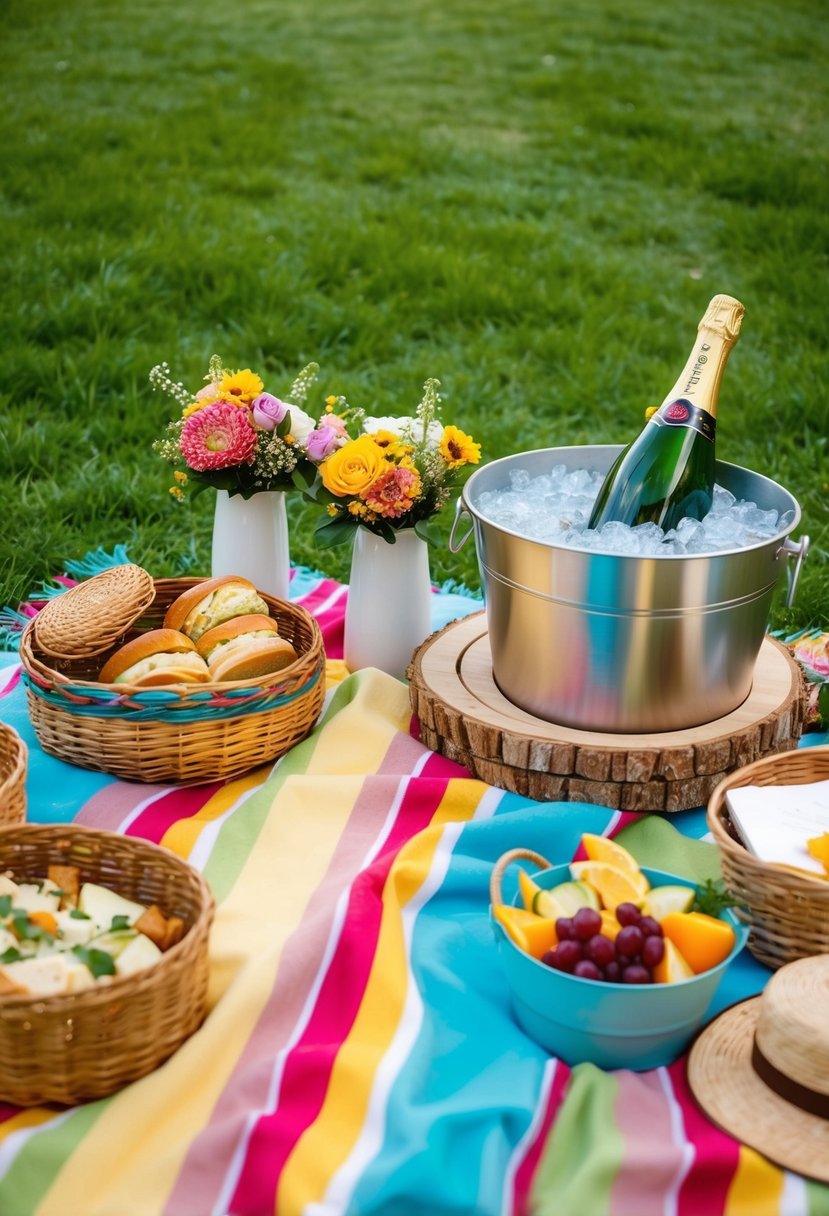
[732, 1096]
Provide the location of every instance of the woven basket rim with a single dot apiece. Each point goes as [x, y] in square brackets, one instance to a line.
[102, 993]
[13, 745]
[28, 660]
[800, 758]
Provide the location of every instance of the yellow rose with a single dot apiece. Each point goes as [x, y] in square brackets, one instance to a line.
[353, 468]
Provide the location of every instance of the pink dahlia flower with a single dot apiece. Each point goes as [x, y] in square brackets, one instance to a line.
[393, 493]
[218, 437]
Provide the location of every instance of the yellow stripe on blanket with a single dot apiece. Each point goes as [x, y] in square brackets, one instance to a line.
[756, 1188]
[182, 836]
[326, 1145]
[27, 1120]
[130, 1159]
[356, 739]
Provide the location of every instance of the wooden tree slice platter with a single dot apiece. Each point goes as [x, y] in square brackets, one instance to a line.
[464, 716]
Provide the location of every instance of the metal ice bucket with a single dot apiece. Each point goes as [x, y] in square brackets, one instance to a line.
[621, 643]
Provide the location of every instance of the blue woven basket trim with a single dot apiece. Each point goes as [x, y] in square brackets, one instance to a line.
[155, 705]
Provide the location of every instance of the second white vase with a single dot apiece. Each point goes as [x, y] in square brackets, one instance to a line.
[250, 538]
[388, 611]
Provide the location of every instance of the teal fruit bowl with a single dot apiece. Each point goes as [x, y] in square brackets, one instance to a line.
[636, 1026]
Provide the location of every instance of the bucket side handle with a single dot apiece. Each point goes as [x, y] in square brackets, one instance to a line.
[798, 550]
[456, 545]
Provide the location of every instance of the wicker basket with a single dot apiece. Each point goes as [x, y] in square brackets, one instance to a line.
[787, 911]
[195, 732]
[13, 757]
[73, 1048]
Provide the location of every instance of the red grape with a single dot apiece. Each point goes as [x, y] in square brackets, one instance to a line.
[549, 958]
[600, 949]
[653, 950]
[650, 927]
[564, 928]
[628, 914]
[613, 972]
[586, 922]
[629, 941]
[587, 970]
[636, 974]
[566, 955]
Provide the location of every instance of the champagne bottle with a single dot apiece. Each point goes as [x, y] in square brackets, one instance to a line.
[667, 472]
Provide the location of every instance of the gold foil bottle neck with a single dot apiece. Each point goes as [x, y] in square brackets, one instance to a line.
[724, 315]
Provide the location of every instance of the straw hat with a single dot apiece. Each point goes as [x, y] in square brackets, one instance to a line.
[760, 1070]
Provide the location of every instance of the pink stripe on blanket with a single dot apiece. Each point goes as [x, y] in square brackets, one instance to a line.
[525, 1173]
[653, 1162]
[309, 1063]
[12, 681]
[212, 1153]
[111, 808]
[716, 1155]
[176, 804]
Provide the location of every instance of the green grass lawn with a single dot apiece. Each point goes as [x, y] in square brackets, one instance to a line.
[531, 202]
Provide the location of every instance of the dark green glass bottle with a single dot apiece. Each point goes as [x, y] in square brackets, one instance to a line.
[667, 473]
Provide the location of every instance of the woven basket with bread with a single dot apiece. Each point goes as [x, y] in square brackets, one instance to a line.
[207, 680]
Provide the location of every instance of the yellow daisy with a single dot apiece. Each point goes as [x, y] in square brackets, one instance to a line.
[240, 387]
[392, 445]
[457, 448]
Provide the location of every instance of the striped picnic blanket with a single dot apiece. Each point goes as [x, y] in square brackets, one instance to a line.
[359, 1055]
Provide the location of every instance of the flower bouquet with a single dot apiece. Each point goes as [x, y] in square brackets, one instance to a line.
[386, 474]
[381, 489]
[234, 436]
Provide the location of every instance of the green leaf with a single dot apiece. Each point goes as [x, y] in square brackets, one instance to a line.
[388, 533]
[304, 478]
[12, 955]
[712, 898]
[77, 914]
[333, 532]
[428, 531]
[5, 905]
[284, 427]
[119, 922]
[99, 962]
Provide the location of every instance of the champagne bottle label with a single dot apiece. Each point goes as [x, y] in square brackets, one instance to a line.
[684, 413]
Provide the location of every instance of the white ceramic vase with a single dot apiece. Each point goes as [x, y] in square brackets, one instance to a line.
[388, 611]
[250, 537]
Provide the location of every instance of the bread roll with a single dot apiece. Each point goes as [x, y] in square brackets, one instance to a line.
[245, 648]
[212, 602]
[158, 657]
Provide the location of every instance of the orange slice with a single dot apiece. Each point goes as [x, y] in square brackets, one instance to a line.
[610, 925]
[613, 885]
[534, 934]
[704, 941]
[602, 848]
[528, 888]
[673, 966]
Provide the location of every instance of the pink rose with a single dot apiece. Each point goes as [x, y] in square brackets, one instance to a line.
[335, 423]
[321, 442]
[268, 411]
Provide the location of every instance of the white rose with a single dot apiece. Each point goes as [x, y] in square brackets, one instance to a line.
[301, 423]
